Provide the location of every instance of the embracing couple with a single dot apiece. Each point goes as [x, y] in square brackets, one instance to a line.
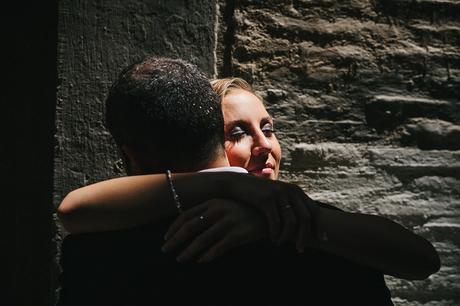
[202, 219]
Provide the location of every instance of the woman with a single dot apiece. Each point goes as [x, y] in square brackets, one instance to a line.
[250, 143]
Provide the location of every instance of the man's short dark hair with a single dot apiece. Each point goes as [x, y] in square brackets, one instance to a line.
[166, 108]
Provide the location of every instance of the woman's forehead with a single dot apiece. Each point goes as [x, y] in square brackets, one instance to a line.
[242, 102]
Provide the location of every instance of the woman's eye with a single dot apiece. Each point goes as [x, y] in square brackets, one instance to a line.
[268, 130]
[236, 132]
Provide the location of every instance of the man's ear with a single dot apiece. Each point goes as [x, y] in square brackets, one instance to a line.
[137, 162]
[129, 159]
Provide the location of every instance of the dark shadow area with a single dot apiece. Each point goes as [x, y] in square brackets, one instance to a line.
[29, 36]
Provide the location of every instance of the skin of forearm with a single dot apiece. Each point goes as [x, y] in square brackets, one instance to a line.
[136, 200]
[376, 242]
[131, 201]
[115, 204]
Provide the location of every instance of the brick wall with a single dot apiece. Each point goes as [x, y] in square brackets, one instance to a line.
[365, 96]
[96, 39]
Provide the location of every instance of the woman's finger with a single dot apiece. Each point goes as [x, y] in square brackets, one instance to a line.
[185, 217]
[187, 232]
[203, 241]
[218, 249]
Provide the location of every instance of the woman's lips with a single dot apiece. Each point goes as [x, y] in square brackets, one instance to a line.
[266, 169]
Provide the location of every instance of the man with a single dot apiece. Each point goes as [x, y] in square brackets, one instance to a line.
[164, 115]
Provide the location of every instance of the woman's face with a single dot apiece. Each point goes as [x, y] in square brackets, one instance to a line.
[250, 141]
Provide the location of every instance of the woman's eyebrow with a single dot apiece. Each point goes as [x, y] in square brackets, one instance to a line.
[236, 122]
[268, 118]
[242, 122]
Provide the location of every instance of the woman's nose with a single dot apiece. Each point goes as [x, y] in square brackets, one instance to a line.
[262, 145]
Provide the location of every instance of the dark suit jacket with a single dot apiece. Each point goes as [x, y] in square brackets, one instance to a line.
[128, 268]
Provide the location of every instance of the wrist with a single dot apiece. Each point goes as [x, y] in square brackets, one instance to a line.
[172, 189]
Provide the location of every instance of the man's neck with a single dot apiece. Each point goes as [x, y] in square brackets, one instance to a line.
[219, 162]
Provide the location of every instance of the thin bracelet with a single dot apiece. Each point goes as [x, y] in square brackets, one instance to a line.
[173, 191]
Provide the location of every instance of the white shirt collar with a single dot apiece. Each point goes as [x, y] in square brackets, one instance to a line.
[225, 169]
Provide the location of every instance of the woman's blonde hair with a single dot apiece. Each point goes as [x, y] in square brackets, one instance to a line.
[224, 86]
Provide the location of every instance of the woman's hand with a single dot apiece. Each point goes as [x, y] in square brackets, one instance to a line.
[212, 228]
[289, 212]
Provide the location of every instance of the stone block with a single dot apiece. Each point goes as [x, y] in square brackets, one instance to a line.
[321, 155]
[410, 163]
[387, 112]
[431, 134]
[365, 96]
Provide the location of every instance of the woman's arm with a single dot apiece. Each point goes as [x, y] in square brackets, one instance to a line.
[116, 204]
[130, 201]
[373, 241]
[376, 242]
[136, 200]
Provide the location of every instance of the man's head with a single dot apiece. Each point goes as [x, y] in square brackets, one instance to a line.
[164, 114]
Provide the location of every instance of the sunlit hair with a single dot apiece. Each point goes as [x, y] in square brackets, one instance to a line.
[225, 86]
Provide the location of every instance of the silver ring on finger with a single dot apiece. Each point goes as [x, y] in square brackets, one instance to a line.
[286, 206]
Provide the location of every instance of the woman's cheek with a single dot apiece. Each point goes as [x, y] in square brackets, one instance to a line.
[237, 153]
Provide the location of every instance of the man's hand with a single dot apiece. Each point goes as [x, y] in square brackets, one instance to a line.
[213, 228]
